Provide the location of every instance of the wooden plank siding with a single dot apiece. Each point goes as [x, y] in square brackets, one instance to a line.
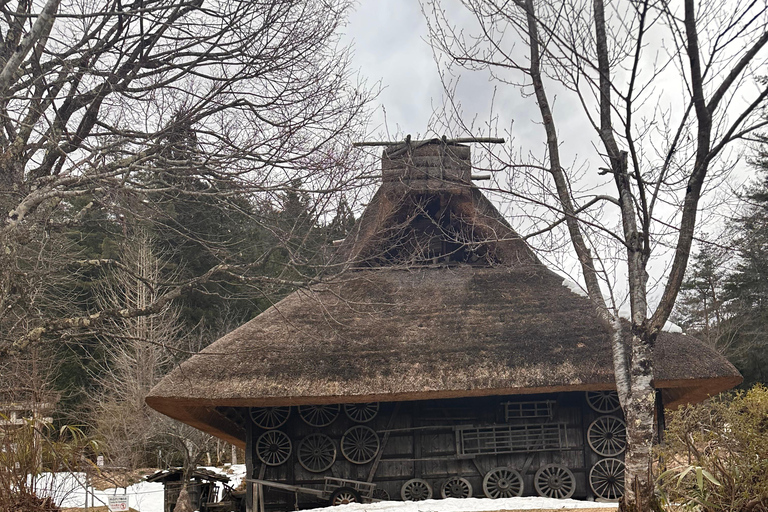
[421, 442]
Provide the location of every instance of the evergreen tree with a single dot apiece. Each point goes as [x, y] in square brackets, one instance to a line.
[746, 288]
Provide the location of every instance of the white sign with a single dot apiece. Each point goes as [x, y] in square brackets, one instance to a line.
[117, 503]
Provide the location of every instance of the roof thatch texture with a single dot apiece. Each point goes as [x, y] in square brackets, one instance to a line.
[441, 299]
[394, 334]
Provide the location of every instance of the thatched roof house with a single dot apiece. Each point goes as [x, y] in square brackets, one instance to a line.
[440, 299]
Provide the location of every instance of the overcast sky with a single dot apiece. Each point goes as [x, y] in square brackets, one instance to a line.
[389, 40]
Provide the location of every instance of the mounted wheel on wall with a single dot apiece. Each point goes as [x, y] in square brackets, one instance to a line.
[456, 487]
[360, 444]
[361, 413]
[603, 401]
[316, 453]
[554, 481]
[273, 447]
[607, 436]
[345, 496]
[380, 494]
[503, 483]
[416, 489]
[270, 417]
[319, 415]
[606, 478]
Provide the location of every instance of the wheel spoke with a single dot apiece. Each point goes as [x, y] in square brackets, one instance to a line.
[359, 444]
[555, 481]
[606, 478]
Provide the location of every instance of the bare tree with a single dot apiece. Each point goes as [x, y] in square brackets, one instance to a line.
[667, 89]
[106, 105]
[137, 352]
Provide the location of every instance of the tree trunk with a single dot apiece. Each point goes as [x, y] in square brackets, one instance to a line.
[184, 503]
[639, 415]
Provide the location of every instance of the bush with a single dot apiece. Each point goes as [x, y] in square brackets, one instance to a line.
[716, 455]
[28, 450]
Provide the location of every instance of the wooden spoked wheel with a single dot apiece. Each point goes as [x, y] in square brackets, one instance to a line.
[456, 487]
[316, 453]
[319, 415]
[345, 496]
[416, 489]
[606, 478]
[270, 417]
[273, 447]
[503, 483]
[607, 436]
[380, 494]
[361, 413]
[359, 444]
[603, 401]
[554, 481]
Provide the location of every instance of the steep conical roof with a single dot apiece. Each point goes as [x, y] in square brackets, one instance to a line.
[440, 299]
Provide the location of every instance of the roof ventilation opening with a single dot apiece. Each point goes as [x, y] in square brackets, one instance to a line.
[427, 229]
[428, 212]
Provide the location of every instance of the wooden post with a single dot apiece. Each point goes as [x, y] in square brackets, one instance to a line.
[660, 420]
[377, 460]
[249, 465]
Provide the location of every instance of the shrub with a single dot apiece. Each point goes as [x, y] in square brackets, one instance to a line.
[28, 450]
[716, 455]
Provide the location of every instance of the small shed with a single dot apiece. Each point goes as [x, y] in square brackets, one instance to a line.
[445, 360]
[202, 487]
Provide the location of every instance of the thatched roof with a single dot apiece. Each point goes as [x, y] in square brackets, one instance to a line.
[484, 319]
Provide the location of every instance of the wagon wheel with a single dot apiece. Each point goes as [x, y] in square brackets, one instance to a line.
[606, 478]
[416, 489]
[270, 417]
[554, 481]
[603, 401]
[503, 483]
[380, 494]
[316, 453]
[607, 436]
[359, 444]
[456, 487]
[345, 496]
[273, 447]
[361, 413]
[319, 415]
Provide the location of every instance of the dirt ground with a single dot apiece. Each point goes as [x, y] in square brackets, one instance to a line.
[104, 509]
[92, 509]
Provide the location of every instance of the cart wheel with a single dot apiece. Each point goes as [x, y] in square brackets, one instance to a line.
[554, 481]
[345, 496]
[416, 489]
[503, 482]
[380, 494]
[603, 401]
[606, 478]
[607, 436]
[456, 487]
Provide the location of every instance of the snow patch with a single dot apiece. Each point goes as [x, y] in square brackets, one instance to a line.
[469, 505]
[68, 490]
[575, 287]
[624, 312]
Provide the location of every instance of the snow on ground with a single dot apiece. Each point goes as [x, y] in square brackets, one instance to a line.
[468, 505]
[68, 490]
[235, 473]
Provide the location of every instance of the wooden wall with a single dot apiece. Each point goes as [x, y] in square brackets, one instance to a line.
[438, 439]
